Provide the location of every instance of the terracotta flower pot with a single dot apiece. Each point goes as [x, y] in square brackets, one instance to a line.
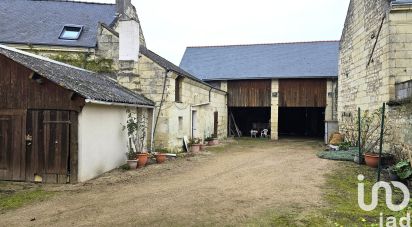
[202, 147]
[372, 160]
[215, 141]
[160, 158]
[141, 160]
[195, 148]
[132, 164]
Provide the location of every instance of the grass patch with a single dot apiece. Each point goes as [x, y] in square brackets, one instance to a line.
[341, 204]
[18, 199]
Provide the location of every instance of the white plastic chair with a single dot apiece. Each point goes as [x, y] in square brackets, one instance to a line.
[264, 133]
[253, 133]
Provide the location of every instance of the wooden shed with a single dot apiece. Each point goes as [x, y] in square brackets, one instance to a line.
[59, 123]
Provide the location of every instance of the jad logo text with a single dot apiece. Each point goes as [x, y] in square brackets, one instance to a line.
[390, 221]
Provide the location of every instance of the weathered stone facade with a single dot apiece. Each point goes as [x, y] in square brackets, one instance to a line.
[175, 118]
[376, 53]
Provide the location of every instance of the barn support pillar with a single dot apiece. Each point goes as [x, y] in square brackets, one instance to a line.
[274, 110]
[329, 101]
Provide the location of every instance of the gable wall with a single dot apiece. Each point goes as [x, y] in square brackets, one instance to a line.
[359, 84]
[368, 87]
[18, 91]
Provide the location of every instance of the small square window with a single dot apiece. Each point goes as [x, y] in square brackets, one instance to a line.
[71, 32]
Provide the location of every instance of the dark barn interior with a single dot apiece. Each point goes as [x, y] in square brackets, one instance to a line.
[248, 118]
[302, 106]
[302, 121]
[249, 106]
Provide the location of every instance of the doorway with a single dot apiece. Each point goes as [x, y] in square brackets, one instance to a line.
[194, 124]
[248, 118]
[302, 121]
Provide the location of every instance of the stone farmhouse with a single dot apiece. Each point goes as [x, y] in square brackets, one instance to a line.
[60, 123]
[108, 38]
[375, 65]
[288, 88]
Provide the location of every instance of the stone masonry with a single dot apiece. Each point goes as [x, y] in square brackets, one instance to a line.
[376, 54]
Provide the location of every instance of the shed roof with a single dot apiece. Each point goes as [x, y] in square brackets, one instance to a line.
[41, 22]
[90, 85]
[258, 61]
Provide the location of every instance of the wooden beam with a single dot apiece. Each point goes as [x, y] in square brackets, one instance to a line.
[74, 146]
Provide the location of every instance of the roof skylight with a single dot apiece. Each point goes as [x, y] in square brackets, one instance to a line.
[71, 32]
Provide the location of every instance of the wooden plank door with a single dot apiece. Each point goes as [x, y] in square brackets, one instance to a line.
[11, 146]
[49, 147]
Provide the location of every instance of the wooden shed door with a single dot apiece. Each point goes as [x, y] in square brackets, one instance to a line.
[48, 145]
[11, 146]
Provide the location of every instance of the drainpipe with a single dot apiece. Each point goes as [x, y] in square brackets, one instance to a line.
[152, 131]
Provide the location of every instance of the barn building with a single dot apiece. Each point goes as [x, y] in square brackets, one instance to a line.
[288, 88]
[59, 123]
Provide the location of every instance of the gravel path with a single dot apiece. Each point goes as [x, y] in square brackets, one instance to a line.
[226, 187]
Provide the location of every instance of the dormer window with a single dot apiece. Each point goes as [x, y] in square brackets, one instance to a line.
[71, 32]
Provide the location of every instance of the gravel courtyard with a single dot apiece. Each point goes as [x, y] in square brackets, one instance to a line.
[230, 185]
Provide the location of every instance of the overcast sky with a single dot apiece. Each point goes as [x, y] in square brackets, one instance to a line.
[170, 26]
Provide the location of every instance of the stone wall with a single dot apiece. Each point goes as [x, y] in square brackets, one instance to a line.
[361, 84]
[372, 61]
[401, 123]
[274, 111]
[175, 118]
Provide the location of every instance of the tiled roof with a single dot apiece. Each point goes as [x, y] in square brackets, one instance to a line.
[258, 61]
[41, 22]
[90, 85]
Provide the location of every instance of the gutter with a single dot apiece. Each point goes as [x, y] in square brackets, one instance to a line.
[117, 104]
[404, 6]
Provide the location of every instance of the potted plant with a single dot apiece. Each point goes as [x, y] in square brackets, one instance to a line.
[136, 129]
[160, 155]
[131, 159]
[392, 174]
[202, 146]
[194, 144]
[403, 170]
[142, 159]
[371, 159]
[209, 140]
[212, 140]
